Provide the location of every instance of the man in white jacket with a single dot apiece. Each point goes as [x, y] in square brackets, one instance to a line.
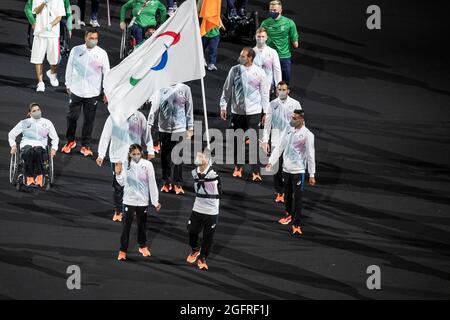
[267, 59]
[297, 148]
[174, 110]
[247, 91]
[277, 120]
[86, 66]
[119, 138]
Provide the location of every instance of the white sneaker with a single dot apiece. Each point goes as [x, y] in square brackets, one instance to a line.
[81, 23]
[40, 87]
[53, 79]
[94, 23]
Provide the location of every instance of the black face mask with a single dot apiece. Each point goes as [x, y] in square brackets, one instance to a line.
[148, 35]
[274, 15]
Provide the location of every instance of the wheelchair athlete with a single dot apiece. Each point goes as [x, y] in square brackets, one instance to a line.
[144, 14]
[35, 132]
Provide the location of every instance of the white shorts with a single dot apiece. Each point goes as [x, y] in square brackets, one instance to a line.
[42, 46]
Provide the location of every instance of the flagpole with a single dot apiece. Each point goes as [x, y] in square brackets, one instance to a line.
[205, 113]
[109, 14]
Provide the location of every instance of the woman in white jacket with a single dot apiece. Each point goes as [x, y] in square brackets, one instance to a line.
[137, 176]
[35, 132]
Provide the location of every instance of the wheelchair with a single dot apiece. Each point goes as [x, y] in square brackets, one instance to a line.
[64, 39]
[241, 29]
[16, 170]
[127, 43]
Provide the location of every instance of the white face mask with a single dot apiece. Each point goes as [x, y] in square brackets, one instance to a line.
[283, 95]
[198, 161]
[36, 115]
[136, 158]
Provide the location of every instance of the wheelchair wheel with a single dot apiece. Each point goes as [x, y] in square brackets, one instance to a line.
[30, 37]
[51, 172]
[13, 168]
[64, 42]
[127, 43]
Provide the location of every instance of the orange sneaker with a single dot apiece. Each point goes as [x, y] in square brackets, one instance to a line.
[237, 172]
[157, 148]
[166, 188]
[296, 230]
[256, 177]
[122, 256]
[201, 263]
[117, 216]
[279, 198]
[86, 151]
[68, 147]
[285, 220]
[179, 189]
[145, 252]
[193, 257]
[40, 180]
[30, 181]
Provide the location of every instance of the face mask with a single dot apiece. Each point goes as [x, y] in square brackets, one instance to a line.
[282, 95]
[91, 43]
[148, 35]
[198, 161]
[261, 42]
[242, 61]
[294, 123]
[274, 14]
[136, 158]
[36, 115]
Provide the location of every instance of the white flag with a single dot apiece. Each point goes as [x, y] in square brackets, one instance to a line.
[173, 54]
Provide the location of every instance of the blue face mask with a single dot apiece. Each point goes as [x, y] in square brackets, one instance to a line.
[274, 14]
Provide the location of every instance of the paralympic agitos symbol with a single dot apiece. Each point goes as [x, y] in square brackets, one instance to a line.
[165, 57]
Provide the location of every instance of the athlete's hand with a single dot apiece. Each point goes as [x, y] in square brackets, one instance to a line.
[123, 26]
[312, 181]
[14, 149]
[269, 167]
[99, 161]
[105, 99]
[52, 153]
[223, 114]
[118, 168]
[33, 26]
[68, 91]
[158, 207]
[189, 134]
[150, 156]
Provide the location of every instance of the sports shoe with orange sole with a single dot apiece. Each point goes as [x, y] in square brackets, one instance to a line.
[285, 220]
[201, 263]
[166, 188]
[237, 172]
[296, 231]
[68, 147]
[145, 252]
[117, 216]
[179, 189]
[279, 198]
[39, 180]
[86, 151]
[122, 256]
[30, 181]
[256, 177]
[193, 257]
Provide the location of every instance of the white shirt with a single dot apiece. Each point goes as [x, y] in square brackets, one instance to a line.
[268, 59]
[35, 133]
[277, 118]
[297, 148]
[247, 90]
[208, 206]
[85, 69]
[52, 10]
[139, 183]
[120, 137]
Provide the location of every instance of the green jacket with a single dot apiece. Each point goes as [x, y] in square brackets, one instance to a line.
[281, 34]
[32, 19]
[148, 15]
